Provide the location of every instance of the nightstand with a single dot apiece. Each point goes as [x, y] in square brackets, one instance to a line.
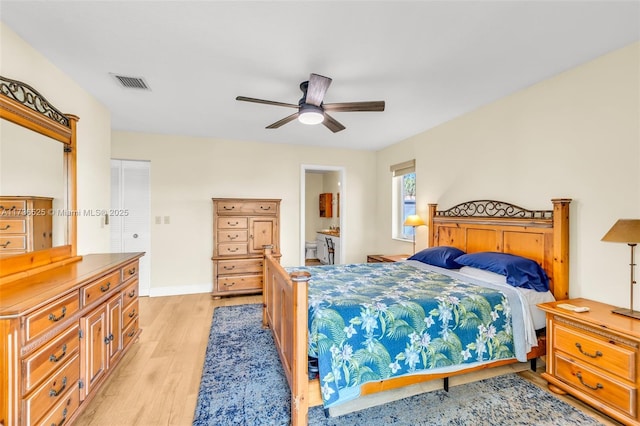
[377, 258]
[595, 357]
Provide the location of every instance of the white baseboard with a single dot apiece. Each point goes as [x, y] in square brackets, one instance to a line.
[179, 290]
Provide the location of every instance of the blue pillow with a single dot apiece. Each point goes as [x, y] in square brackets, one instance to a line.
[442, 256]
[520, 271]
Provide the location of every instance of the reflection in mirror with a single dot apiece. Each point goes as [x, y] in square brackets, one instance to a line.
[31, 165]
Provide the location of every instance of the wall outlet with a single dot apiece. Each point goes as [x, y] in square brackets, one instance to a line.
[167, 220]
[158, 220]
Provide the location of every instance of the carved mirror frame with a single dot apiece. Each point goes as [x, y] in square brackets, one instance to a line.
[26, 107]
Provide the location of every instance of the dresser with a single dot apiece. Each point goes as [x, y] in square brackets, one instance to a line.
[25, 224]
[241, 229]
[62, 332]
[386, 258]
[594, 356]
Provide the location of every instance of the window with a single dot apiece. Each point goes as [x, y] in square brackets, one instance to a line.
[404, 198]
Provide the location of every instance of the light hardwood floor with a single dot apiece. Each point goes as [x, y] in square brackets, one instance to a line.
[158, 380]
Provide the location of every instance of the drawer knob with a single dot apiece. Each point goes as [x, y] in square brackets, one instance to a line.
[103, 288]
[54, 393]
[53, 358]
[5, 244]
[597, 354]
[596, 387]
[54, 318]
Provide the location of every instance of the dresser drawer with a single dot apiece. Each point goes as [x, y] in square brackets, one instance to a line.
[64, 409]
[244, 207]
[232, 249]
[612, 392]
[13, 226]
[233, 223]
[233, 235]
[606, 353]
[10, 207]
[13, 242]
[50, 357]
[47, 317]
[130, 293]
[239, 283]
[52, 391]
[239, 266]
[130, 332]
[129, 314]
[93, 292]
[130, 271]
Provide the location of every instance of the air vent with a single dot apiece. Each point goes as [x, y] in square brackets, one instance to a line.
[131, 82]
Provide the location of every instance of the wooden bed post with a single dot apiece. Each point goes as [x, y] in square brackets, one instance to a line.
[430, 230]
[300, 376]
[561, 248]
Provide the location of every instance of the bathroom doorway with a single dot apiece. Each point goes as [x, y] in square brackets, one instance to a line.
[316, 180]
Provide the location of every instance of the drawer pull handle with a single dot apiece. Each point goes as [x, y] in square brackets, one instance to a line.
[236, 223]
[53, 358]
[132, 271]
[64, 418]
[229, 208]
[596, 387]
[108, 339]
[132, 314]
[131, 333]
[5, 228]
[103, 288]
[54, 318]
[132, 294]
[233, 250]
[265, 208]
[4, 208]
[230, 284]
[229, 268]
[54, 393]
[5, 244]
[232, 237]
[597, 354]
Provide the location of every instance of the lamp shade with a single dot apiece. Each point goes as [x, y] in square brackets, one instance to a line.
[310, 114]
[624, 231]
[414, 220]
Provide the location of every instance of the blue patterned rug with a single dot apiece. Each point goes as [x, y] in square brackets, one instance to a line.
[243, 384]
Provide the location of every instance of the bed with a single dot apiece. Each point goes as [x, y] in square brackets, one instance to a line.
[473, 227]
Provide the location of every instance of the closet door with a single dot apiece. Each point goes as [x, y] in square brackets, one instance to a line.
[131, 214]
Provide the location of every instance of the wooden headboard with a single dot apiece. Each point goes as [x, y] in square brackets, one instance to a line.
[487, 225]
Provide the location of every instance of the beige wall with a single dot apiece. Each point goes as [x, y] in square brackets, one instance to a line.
[19, 61]
[187, 172]
[576, 135]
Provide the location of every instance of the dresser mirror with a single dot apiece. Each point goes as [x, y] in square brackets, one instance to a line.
[37, 159]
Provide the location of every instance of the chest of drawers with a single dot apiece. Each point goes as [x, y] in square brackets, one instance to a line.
[595, 356]
[26, 224]
[61, 333]
[241, 229]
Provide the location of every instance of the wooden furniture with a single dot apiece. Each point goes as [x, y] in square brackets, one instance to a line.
[24, 106]
[25, 224]
[241, 229]
[379, 258]
[541, 235]
[326, 204]
[61, 333]
[595, 356]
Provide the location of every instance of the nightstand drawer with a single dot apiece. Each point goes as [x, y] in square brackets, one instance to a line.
[601, 351]
[614, 393]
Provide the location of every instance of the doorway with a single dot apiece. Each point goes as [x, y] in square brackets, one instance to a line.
[330, 179]
[131, 230]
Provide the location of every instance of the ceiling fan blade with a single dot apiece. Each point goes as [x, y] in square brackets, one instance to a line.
[355, 106]
[318, 86]
[283, 121]
[262, 101]
[332, 124]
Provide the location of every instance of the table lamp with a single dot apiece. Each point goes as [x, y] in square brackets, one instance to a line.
[414, 220]
[626, 231]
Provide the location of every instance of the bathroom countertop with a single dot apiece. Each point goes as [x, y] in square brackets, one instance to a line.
[331, 233]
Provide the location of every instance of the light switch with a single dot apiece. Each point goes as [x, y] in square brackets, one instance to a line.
[167, 220]
[158, 220]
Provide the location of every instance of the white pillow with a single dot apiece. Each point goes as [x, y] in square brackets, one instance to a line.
[488, 276]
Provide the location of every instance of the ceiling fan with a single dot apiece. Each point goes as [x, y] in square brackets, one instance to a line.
[311, 109]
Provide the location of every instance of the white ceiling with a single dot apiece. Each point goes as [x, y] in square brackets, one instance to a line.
[431, 61]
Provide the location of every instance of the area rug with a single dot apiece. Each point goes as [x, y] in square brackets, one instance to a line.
[243, 384]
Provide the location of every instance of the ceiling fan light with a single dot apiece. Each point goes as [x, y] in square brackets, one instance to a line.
[310, 114]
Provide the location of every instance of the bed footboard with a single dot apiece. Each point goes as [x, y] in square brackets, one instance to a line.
[285, 313]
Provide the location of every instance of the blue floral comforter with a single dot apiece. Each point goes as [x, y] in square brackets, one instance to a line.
[373, 321]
